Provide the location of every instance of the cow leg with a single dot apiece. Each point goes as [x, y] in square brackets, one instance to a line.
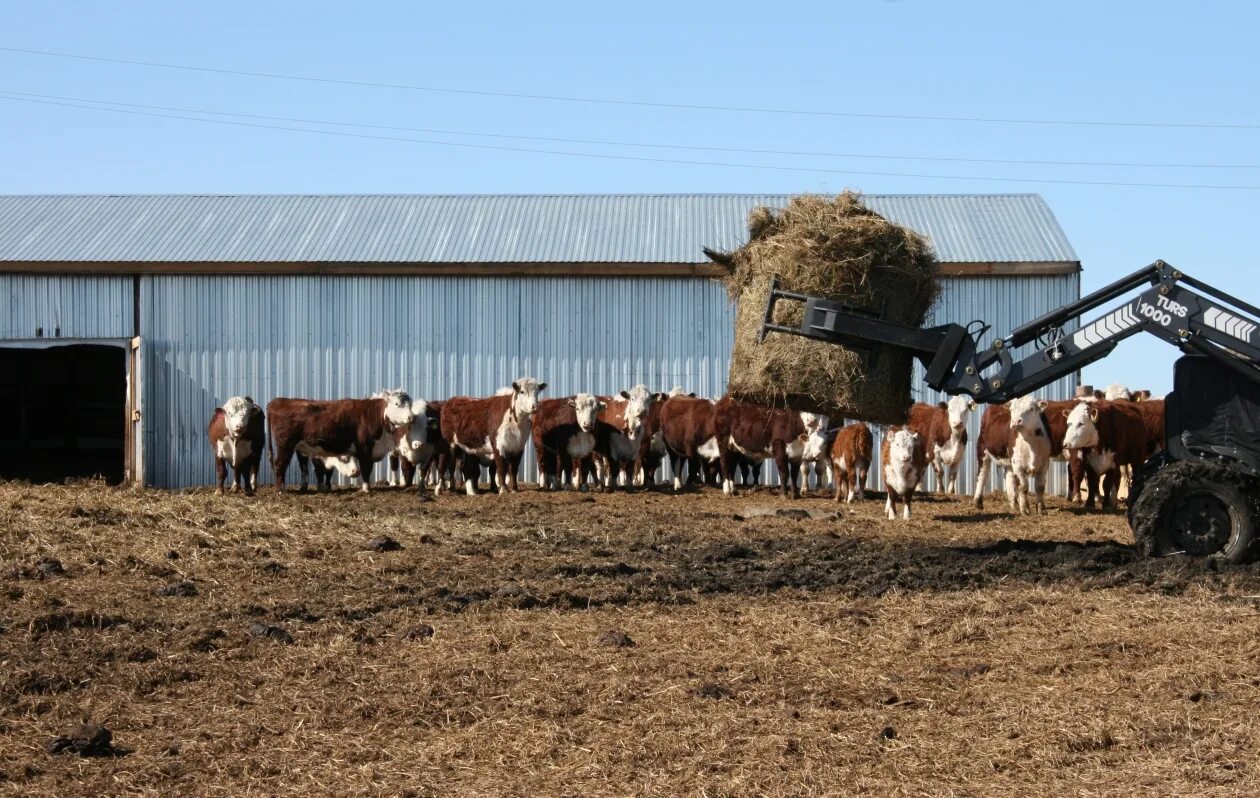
[220, 473]
[279, 465]
[982, 476]
[890, 505]
[304, 466]
[500, 472]
[905, 508]
[938, 469]
[1111, 489]
[241, 478]
[860, 470]
[1012, 489]
[1041, 489]
[842, 481]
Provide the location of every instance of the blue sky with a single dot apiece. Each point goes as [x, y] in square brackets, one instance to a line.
[1069, 61]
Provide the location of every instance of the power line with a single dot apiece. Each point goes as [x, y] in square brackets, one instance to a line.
[636, 158]
[638, 103]
[646, 145]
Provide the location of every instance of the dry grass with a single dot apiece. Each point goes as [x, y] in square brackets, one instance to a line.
[1005, 657]
[838, 248]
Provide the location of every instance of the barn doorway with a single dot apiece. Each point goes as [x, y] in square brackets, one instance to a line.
[65, 412]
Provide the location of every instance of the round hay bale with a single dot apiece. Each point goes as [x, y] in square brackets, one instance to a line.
[839, 249]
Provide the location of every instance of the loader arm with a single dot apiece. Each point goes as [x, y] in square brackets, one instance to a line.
[1178, 309]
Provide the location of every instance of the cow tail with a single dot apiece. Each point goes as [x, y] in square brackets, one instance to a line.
[271, 449]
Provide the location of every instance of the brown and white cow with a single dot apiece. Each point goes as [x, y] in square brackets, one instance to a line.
[237, 433]
[621, 440]
[564, 437]
[655, 451]
[904, 458]
[365, 429]
[943, 428]
[346, 465]
[1030, 451]
[758, 433]
[1112, 435]
[498, 427]
[687, 428]
[993, 446]
[851, 454]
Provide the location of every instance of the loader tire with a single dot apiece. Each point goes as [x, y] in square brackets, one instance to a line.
[1193, 507]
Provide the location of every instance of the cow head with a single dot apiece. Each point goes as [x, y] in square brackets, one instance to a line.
[413, 438]
[815, 436]
[638, 404]
[398, 410]
[525, 396]
[1116, 391]
[346, 465]
[237, 412]
[1026, 415]
[901, 446]
[957, 408]
[677, 390]
[1081, 433]
[587, 408]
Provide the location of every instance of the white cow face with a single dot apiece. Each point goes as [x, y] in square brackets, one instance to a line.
[815, 435]
[587, 408]
[901, 447]
[1081, 431]
[957, 408]
[398, 407]
[638, 404]
[1116, 391]
[417, 435]
[237, 412]
[346, 465]
[1026, 414]
[525, 395]
[677, 390]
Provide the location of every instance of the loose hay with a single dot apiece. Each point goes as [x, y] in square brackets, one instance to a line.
[840, 249]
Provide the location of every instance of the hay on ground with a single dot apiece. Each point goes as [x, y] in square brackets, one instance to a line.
[840, 249]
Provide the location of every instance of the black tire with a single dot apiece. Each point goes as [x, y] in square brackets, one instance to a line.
[1201, 509]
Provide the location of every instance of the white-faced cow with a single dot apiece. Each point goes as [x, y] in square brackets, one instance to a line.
[756, 432]
[621, 442]
[432, 456]
[564, 437]
[346, 465]
[498, 427]
[365, 429]
[1030, 450]
[237, 438]
[943, 428]
[904, 458]
[851, 454]
[1112, 435]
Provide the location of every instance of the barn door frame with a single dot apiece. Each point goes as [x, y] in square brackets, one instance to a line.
[134, 467]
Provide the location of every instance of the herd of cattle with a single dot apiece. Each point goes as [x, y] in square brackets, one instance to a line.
[623, 440]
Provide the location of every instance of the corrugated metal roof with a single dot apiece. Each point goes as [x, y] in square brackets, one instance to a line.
[412, 228]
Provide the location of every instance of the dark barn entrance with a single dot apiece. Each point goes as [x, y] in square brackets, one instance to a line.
[63, 412]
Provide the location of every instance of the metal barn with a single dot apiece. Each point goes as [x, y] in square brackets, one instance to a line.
[129, 318]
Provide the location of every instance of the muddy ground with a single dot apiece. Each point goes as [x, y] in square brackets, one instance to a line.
[569, 644]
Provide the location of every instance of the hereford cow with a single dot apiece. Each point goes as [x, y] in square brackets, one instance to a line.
[498, 427]
[655, 451]
[993, 446]
[788, 436]
[690, 437]
[904, 458]
[365, 429]
[237, 437]
[1112, 435]
[851, 454]
[621, 443]
[943, 428]
[1030, 452]
[564, 437]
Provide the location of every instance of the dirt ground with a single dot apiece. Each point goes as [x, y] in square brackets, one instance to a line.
[645, 644]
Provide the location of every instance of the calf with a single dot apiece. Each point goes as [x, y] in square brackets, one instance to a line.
[564, 437]
[1030, 452]
[757, 432]
[687, 429]
[365, 429]
[904, 457]
[621, 443]
[325, 467]
[1113, 435]
[237, 435]
[498, 426]
[943, 428]
[851, 459]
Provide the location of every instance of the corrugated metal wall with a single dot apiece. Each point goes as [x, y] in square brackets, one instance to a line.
[82, 307]
[208, 338]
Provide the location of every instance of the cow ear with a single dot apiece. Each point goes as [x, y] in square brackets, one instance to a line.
[624, 395]
[218, 411]
[572, 403]
[1093, 414]
[600, 406]
[516, 388]
[542, 386]
[1042, 404]
[692, 395]
[249, 399]
[658, 396]
[942, 405]
[971, 405]
[1067, 412]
